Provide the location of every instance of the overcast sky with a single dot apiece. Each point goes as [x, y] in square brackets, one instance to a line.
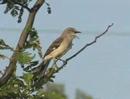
[102, 70]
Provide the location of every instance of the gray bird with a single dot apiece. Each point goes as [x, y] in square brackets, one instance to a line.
[58, 48]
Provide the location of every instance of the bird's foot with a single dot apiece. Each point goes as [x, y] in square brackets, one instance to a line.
[63, 61]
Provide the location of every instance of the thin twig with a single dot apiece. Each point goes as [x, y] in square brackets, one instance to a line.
[85, 46]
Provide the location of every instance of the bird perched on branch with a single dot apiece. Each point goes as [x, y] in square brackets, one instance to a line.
[58, 48]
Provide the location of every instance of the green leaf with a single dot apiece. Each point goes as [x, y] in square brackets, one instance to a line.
[40, 92]
[28, 78]
[14, 12]
[24, 57]
[33, 41]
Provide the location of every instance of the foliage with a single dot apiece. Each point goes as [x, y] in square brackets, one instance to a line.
[24, 57]
[14, 7]
[33, 41]
[27, 57]
[3, 45]
[81, 95]
[17, 7]
[24, 86]
[21, 88]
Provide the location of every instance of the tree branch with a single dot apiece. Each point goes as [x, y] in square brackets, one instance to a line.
[84, 47]
[13, 61]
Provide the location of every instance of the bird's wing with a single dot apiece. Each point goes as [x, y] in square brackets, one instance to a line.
[54, 45]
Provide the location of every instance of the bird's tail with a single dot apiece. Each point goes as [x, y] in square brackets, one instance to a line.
[41, 69]
[39, 72]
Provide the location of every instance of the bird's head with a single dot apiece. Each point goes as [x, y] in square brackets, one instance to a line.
[70, 31]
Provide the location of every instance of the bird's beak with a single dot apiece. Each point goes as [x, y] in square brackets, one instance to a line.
[77, 31]
[76, 36]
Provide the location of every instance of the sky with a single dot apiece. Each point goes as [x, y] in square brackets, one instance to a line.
[102, 70]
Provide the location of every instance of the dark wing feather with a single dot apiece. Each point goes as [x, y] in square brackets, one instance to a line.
[41, 69]
[43, 66]
[54, 45]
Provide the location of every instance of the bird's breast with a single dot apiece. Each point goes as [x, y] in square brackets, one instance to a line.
[62, 49]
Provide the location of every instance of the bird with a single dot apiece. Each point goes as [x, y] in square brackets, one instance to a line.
[58, 48]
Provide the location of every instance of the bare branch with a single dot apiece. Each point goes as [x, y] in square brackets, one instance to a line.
[12, 65]
[84, 47]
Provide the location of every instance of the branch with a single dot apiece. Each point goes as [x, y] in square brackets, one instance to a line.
[20, 45]
[84, 47]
